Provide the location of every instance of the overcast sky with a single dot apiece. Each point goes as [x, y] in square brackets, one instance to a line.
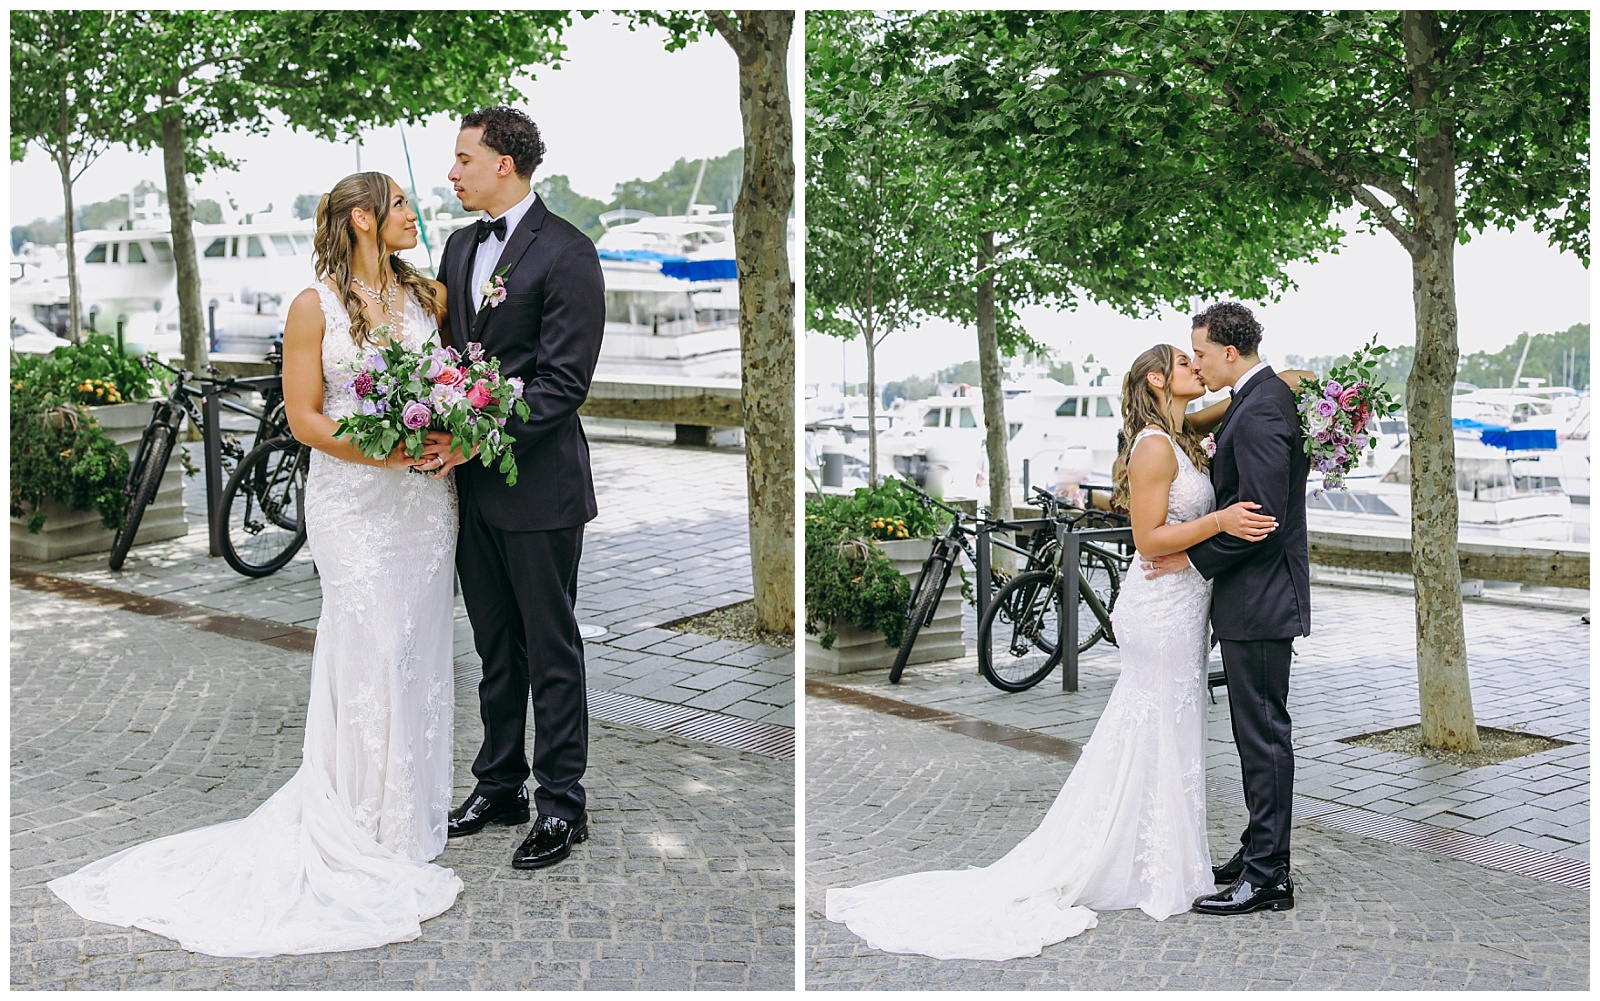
[620, 107]
[1506, 283]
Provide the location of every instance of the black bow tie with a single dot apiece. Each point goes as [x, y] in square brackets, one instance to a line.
[498, 228]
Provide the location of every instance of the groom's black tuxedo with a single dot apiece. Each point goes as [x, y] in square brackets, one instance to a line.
[520, 546]
[1260, 601]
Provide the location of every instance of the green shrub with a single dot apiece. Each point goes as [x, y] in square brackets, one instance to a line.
[848, 579]
[58, 452]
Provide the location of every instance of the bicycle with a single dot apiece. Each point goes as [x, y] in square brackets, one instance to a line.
[156, 444]
[161, 436]
[1029, 605]
[935, 573]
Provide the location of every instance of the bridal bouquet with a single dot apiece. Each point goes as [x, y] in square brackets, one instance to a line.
[404, 394]
[1337, 412]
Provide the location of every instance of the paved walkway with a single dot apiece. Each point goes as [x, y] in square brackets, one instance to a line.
[132, 718]
[671, 541]
[901, 786]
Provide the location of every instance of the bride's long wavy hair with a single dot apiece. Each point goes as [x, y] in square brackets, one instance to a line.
[1143, 405]
[335, 245]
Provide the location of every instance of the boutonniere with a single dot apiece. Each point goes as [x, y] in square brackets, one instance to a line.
[1208, 445]
[493, 290]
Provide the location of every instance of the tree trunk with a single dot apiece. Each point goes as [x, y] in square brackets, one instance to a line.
[191, 322]
[872, 409]
[991, 375]
[766, 307]
[1445, 691]
[74, 300]
[872, 344]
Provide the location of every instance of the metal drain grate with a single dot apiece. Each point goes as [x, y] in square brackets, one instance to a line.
[767, 739]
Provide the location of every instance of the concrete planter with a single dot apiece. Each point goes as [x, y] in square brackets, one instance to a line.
[72, 533]
[858, 650]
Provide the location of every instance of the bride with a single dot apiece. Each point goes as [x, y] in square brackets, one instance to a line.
[1129, 827]
[338, 858]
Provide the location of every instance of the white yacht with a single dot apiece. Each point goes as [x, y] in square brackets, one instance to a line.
[672, 295]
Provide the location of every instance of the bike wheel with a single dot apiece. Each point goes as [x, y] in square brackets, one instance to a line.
[1017, 637]
[263, 508]
[144, 482]
[1105, 579]
[923, 602]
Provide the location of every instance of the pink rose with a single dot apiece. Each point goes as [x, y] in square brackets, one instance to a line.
[479, 395]
[1349, 398]
[449, 377]
[416, 415]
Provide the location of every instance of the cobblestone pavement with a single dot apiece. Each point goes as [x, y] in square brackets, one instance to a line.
[886, 796]
[671, 541]
[1356, 674]
[126, 727]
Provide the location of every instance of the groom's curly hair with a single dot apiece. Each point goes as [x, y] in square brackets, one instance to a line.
[1231, 323]
[511, 133]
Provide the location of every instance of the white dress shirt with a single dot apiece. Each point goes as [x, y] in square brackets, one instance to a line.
[1247, 376]
[488, 252]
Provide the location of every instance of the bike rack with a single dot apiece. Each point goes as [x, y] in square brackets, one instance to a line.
[211, 410]
[1071, 546]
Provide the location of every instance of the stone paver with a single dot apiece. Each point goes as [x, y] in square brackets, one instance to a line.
[671, 541]
[126, 727]
[886, 796]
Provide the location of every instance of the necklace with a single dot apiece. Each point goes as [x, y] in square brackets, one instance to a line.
[384, 299]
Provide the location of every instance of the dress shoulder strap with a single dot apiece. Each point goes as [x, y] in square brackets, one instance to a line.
[1147, 432]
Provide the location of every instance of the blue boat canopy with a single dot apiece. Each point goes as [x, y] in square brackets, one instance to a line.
[638, 255]
[1522, 439]
[700, 271]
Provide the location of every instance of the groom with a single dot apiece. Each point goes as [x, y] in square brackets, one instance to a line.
[1261, 595]
[519, 546]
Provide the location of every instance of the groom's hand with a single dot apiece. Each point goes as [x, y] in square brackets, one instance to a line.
[1161, 565]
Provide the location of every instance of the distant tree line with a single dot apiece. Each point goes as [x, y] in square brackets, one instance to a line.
[667, 194]
[108, 214]
[1560, 359]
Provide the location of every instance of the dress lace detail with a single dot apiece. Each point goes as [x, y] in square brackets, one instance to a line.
[1128, 828]
[338, 858]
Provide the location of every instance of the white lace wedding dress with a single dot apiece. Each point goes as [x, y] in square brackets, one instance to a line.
[1129, 827]
[338, 858]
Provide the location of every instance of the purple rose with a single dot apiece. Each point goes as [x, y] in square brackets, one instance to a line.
[416, 415]
[1339, 455]
[1332, 390]
[1361, 441]
[1326, 408]
[1324, 436]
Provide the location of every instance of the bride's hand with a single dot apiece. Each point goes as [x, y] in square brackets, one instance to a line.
[398, 459]
[1242, 520]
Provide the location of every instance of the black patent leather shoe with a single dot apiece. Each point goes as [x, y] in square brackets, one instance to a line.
[1230, 870]
[549, 842]
[1242, 898]
[479, 812]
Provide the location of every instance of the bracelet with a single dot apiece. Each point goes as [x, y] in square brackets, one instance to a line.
[1218, 521]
